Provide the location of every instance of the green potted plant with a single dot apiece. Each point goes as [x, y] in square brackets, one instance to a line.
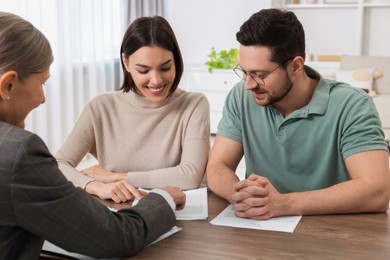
[223, 59]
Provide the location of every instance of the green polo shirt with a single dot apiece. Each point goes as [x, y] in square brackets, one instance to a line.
[306, 149]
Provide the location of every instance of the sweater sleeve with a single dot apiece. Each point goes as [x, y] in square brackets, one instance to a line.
[79, 142]
[188, 174]
[49, 206]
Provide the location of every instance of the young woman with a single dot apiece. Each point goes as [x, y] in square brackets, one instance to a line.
[37, 202]
[151, 133]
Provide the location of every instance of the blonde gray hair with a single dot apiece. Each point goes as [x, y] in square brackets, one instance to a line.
[23, 48]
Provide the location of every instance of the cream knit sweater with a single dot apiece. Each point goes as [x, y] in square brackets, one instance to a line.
[157, 144]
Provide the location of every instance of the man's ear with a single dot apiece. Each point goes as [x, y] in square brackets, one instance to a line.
[298, 64]
[7, 81]
[125, 62]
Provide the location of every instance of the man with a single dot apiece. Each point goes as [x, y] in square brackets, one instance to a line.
[311, 145]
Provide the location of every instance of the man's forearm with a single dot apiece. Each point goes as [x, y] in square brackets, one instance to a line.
[221, 181]
[347, 197]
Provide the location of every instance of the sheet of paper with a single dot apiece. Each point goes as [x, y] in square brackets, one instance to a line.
[283, 224]
[48, 246]
[196, 207]
[172, 231]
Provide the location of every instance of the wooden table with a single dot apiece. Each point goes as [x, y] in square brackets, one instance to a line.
[350, 236]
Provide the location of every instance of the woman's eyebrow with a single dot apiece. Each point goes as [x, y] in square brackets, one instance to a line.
[146, 66]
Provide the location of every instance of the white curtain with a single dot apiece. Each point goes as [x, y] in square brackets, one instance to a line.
[132, 9]
[85, 36]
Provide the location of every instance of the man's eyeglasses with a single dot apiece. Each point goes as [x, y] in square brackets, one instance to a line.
[256, 77]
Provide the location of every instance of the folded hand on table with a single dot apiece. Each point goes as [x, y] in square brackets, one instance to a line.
[256, 198]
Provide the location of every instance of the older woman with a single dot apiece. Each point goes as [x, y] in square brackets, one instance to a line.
[37, 202]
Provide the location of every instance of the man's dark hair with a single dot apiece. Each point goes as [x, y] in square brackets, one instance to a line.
[276, 29]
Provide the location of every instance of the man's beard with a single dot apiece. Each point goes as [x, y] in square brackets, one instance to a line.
[273, 99]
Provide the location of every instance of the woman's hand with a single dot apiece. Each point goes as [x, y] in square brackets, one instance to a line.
[120, 191]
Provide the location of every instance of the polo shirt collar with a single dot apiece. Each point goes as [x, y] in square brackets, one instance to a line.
[319, 101]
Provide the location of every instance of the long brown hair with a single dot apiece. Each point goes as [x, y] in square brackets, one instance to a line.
[148, 31]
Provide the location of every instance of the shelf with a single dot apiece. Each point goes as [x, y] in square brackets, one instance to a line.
[360, 19]
[334, 6]
[321, 6]
[376, 5]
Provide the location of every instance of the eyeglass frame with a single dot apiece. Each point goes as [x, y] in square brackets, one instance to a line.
[240, 73]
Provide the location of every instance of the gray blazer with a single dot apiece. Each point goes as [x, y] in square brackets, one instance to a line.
[38, 203]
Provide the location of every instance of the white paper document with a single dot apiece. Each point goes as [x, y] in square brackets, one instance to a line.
[283, 224]
[169, 233]
[196, 207]
[48, 246]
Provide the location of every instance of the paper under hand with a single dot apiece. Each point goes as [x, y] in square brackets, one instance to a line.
[283, 224]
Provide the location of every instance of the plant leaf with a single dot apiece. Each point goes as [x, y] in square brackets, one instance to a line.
[222, 59]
